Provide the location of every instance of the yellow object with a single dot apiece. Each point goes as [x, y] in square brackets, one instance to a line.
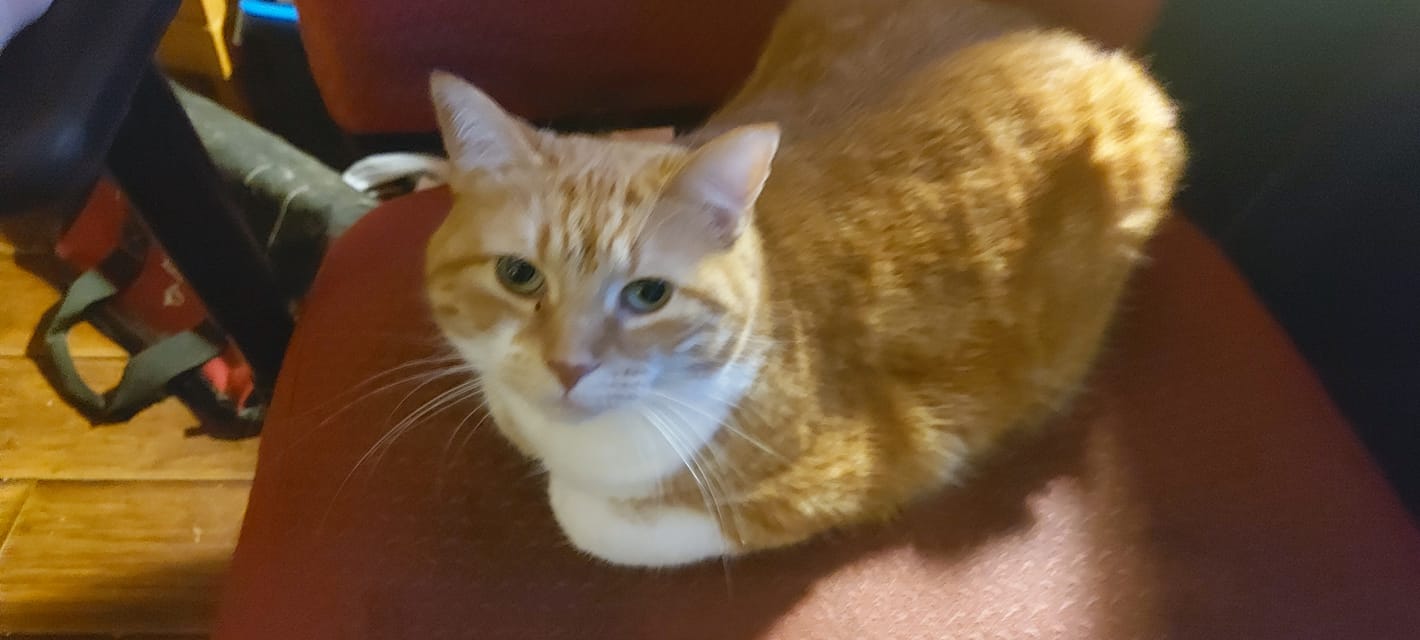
[195, 49]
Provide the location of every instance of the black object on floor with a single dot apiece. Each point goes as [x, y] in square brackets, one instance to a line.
[277, 82]
[179, 195]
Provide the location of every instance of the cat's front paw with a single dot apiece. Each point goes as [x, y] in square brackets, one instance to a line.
[645, 537]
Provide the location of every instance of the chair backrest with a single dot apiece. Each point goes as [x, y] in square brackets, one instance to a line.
[542, 59]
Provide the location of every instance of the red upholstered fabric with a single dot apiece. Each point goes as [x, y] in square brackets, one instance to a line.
[1203, 488]
[541, 58]
[557, 58]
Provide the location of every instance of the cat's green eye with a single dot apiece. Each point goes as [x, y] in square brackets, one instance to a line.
[518, 275]
[647, 295]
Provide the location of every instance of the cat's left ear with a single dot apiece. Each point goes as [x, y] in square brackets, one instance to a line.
[479, 136]
[724, 178]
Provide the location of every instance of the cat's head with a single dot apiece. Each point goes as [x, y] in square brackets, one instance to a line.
[589, 273]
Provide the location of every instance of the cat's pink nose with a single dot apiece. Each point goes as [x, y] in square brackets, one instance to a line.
[568, 373]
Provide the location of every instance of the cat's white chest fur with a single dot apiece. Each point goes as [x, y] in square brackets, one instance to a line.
[623, 453]
[595, 466]
[649, 537]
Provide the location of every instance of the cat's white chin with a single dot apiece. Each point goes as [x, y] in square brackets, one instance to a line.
[596, 465]
[644, 537]
[628, 450]
[571, 412]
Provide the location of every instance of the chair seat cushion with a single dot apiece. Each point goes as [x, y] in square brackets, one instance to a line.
[1203, 487]
[557, 59]
[549, 59]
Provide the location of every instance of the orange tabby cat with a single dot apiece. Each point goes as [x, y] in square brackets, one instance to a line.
[734, 343]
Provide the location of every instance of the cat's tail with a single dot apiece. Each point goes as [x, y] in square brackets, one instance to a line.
[1131, 139]
[1090, 118]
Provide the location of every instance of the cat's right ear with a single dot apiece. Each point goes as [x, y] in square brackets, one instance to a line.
[479, 136]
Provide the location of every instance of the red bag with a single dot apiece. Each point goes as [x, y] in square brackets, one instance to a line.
[130, 289]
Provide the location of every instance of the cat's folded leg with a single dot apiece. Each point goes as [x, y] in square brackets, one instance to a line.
[615, 531]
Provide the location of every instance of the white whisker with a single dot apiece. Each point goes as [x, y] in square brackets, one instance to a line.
[726, 423]
[449, 445]
[423, 377]
[687, 458]
[437, 404]
[712, 488]
[436, 359]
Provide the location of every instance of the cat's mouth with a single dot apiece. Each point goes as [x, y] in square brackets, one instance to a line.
[578, 405]
[568, 408]
[573, 408]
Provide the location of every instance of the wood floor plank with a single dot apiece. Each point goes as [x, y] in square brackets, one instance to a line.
[43, 438]
[27, 297]
[12, 496]
[119, 557]
[83, 556]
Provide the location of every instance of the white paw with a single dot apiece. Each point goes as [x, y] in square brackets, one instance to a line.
[661, 537]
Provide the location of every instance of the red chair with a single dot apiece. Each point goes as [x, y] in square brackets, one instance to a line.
[1204, 488]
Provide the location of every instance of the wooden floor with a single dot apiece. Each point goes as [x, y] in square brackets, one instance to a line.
[104, 531]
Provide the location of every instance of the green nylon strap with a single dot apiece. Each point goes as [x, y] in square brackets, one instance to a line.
[147, 373]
